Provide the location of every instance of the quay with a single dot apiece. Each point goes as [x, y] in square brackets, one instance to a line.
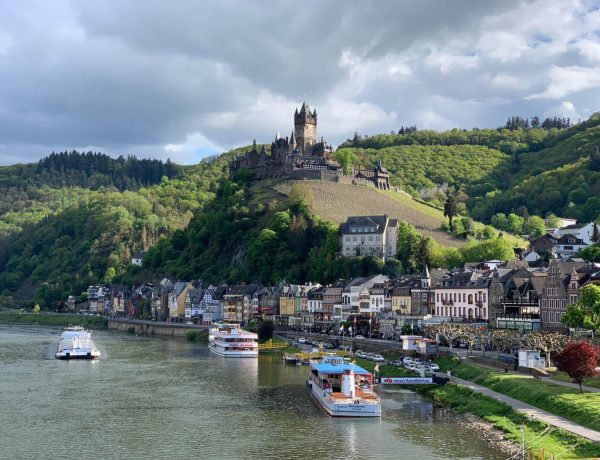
[163, 328]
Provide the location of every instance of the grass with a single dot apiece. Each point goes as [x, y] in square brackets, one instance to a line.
[46, 319]
[593, 382]
[503, 417]
[581, 408]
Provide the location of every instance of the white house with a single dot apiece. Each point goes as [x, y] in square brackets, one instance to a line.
[369, 236]
[568, 246]
[350, 294]
[138, 258]
[584, 232]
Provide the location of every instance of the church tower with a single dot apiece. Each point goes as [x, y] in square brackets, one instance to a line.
[305, 128]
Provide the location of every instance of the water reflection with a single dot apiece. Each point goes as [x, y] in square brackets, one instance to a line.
[159, 398]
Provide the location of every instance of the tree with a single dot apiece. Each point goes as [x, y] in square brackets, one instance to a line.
[514, 224]
[346, 158]
[265, 330]
[449, 332]
[451, 208]
[596, 232]
[586, 312]
[548, 342]
[534, 226]
[506, 340]
[110, 275]
[578, 360]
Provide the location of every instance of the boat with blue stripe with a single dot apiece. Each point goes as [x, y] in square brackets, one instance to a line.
[343, 389]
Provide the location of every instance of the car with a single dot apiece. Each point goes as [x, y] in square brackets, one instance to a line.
[434, 367]
[407, 360]
[301, 340]
[378, 358]
[314, 350]
[342, 347]
[359, 337]
[188, 322]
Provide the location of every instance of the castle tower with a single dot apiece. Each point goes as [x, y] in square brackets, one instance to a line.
[305, 128]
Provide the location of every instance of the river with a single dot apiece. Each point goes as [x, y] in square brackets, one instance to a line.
[166, 398]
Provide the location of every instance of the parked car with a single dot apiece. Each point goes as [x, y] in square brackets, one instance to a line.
[378, 358]
[407, 360]
[434, 367]
[359, 337]
[302, 340]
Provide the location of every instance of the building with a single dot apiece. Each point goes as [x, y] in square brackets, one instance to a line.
[567, 246]
[369, 235]
[194, 307]
[138, 258]
[560, 288]
[463, 296]
[584, 232]
[350, 293]
[176, 299]
[237, 303]
[303, 156]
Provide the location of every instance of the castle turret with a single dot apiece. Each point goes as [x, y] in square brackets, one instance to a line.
[305, 128]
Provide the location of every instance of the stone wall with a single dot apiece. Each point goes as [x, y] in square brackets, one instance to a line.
[153, 327]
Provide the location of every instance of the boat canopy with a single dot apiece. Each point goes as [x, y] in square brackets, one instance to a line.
[330, 368]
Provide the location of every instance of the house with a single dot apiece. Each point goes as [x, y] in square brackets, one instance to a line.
[401, 297]
[138, 258]
[543, 244]
[463, 295]
[568, 245]
[194, 308]
[99, 299]
[515, 299]
[351, 291]
[287, 300]
[332, 301]
[141, 300]
[530, 256]
[176, 299]
[584, 232]
[120, 301]
[369, 235]
[560, 289]
[237, 302]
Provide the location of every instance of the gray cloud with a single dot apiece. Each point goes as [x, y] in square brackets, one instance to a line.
[181, 79]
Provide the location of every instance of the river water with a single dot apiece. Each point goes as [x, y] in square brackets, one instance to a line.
[166, 398]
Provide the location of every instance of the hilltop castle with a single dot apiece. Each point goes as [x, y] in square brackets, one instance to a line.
[300, 156]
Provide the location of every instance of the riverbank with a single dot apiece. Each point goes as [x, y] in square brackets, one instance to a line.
[53, 319]
[538, 435]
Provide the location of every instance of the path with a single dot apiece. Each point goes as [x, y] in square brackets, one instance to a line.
[532, 411]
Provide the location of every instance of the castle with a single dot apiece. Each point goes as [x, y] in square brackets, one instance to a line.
[301, 157]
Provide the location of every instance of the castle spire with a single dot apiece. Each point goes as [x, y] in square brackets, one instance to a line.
[292, 140]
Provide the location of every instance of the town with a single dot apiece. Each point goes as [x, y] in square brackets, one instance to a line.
[529, 293]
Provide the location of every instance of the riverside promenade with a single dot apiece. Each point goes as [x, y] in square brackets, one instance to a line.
[532, 411]
[164, 328]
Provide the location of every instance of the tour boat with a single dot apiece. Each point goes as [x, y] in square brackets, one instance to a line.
[230, 340]
[343, 389]
[76, 343]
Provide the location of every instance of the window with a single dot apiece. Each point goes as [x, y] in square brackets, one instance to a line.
[370, 238]
[353, 238]
[377, 238]
[347, 239]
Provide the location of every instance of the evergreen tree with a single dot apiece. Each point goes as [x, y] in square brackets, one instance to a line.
[451, 208]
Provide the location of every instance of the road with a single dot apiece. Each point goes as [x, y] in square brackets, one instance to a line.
[532, 411]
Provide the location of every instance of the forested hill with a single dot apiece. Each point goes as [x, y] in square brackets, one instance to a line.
[58, 240]
[89, 170]
[547, 167]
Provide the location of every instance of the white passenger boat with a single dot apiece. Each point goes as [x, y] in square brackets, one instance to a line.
[230, 340]
[343, 389]
[76, 343]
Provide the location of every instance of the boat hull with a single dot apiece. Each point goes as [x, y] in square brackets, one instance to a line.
[344, 408]
[235, 354]
[76, 355]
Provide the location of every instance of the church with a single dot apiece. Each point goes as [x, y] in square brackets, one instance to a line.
[302, 156]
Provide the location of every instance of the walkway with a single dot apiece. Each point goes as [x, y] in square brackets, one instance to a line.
[533, 411]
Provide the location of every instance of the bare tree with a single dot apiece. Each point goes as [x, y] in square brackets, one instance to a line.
[548, 342]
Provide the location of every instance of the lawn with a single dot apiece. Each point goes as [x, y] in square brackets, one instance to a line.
[581, 408]
[590, 382]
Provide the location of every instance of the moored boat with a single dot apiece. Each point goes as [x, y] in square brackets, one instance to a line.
[230, 340]
[76, 343]
[343, 389]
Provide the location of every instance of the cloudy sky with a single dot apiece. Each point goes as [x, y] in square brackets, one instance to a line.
[183, 79]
